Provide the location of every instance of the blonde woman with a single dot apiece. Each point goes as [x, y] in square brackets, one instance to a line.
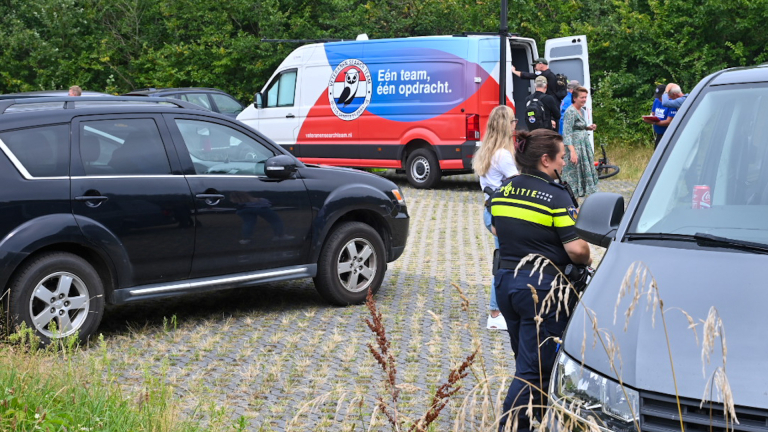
[494, 162]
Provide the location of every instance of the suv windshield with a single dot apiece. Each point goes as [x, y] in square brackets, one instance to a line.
[714, 180]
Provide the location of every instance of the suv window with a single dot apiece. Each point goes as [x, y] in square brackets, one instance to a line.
[196, 98]
[720, 148]
[219, 149]
[226, 104]
[282, 91]
[40, 151]
[122, 147]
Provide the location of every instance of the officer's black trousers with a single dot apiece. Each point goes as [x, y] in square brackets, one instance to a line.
[533, 362]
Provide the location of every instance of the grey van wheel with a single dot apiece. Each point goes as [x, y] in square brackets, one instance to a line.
[352, 262]
[422, 168]
[57, 295]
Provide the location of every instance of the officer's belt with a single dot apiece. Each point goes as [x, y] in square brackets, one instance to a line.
[549, 269]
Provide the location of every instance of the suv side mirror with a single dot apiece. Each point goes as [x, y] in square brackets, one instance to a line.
[599, 218]
[258, 100]
[280, 166]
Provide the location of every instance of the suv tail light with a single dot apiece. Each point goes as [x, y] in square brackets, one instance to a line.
[473, 126]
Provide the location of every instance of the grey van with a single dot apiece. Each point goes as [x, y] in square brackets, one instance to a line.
[697, 227]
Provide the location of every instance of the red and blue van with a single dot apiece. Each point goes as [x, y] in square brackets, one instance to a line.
[418, 104]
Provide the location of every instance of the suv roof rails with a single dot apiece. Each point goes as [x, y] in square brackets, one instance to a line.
[70, 102]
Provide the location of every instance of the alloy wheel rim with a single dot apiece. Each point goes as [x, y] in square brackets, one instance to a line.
[61, 298]
[356, 265]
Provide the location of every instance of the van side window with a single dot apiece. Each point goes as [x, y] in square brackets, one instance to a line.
[122, 147]
[221, 150]
[282, 91]
[41, 151]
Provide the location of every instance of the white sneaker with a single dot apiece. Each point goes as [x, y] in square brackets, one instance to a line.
[497, 323]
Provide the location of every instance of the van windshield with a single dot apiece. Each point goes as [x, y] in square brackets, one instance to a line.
[714, 179]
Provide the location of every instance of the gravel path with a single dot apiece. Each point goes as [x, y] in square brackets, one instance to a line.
[258, 355]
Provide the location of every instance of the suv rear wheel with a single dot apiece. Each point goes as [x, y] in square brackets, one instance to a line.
[57, 294]
[351, 263]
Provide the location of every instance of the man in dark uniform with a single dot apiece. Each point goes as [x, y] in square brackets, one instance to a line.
[550, 104]
[532, 214]
[541, 68]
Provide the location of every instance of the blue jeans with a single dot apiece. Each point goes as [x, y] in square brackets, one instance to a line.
[493, 305]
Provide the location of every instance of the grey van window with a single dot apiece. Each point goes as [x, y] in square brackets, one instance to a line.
[283, 90]
[721, 147]
[41, 151]
[122, 147]
[219, 149]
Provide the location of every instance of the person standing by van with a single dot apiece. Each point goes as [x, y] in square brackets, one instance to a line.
[673, 96]
[579, 169]
[664, 114]
[541, 67]
[541, 109]
[531, 214]
[567, 101]
[494, 162]
[75, 91]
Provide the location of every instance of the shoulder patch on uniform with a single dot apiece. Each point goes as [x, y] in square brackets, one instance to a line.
[573, 212]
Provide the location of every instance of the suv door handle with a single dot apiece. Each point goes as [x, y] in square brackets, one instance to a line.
[92, 201]
[289, 116]
[210, 198]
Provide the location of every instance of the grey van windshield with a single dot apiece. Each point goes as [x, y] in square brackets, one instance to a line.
[714, 177]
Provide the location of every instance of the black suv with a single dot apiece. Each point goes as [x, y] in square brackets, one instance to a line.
[117, 200]
[213, 99]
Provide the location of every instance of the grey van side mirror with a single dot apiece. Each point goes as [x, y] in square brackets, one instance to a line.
[258, 101]
[280, 166]
[599, 218]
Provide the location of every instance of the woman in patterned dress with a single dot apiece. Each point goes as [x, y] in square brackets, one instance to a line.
[579, 171]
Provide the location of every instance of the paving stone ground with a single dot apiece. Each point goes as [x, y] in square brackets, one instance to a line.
[270, 353]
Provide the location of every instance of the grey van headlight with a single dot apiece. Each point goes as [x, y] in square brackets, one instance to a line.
[594, 394]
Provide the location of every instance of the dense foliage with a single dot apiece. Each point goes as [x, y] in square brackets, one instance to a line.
[119, 45]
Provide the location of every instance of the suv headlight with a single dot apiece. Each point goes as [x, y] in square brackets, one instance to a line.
[614, 408]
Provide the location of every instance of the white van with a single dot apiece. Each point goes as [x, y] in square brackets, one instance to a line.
[414, 104]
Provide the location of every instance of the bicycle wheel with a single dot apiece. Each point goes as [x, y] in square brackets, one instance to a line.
[607, 171]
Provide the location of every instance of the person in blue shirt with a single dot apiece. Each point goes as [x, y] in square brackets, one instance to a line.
[664, 114]
[673, 97]
[567, 101]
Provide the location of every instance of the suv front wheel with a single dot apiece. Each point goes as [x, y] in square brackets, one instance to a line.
[57, 295]
[351, 262]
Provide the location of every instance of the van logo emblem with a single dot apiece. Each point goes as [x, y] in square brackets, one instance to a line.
[350, 89]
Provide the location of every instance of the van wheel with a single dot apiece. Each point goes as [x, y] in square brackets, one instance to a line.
[351, 262]
[57, 295]
[422, 168]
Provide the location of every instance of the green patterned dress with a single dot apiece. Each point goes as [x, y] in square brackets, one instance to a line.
[582, 175]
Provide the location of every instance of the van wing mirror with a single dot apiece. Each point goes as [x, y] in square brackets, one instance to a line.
[280, 166]
[599, 218]
[258, 100]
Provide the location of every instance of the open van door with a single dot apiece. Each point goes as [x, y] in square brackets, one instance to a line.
[569, 56]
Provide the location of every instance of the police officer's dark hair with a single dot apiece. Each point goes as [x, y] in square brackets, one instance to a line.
[531, 146]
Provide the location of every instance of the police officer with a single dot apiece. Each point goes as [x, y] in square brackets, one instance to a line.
[532, 214]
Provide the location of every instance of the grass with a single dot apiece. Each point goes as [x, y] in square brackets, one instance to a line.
[57, 389]
[631, 160]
